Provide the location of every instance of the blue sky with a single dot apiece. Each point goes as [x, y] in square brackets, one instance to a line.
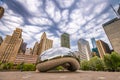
[79, 18]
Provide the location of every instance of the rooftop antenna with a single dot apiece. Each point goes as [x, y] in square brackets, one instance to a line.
[117, 14]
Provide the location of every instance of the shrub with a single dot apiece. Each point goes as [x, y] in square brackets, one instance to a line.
[22, 66]
[0, 63]
[6, 66]
[1, 66]
[10, 65]
[112, 61]
[96, 64]
[84, 65]
[28, 67]
[59, 68]
[18, 67]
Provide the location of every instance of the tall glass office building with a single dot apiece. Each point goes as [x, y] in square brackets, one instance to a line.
[94, 47]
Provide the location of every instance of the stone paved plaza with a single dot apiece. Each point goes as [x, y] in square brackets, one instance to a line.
[79, 75]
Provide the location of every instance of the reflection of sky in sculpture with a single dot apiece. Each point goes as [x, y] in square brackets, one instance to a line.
[55, 52]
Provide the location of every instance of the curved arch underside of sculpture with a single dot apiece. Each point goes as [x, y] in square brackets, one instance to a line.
[67, 62]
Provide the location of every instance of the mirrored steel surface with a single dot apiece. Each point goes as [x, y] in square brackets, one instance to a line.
[56, 52]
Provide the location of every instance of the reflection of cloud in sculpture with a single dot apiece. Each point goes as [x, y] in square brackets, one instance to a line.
[58, 57]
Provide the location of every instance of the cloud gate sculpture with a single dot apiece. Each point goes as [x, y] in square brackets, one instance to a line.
[55, 57]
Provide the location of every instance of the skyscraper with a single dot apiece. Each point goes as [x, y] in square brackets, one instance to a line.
[118, 10]
[11, 46]
[93, 42]
[112, 29]
[23, 47]
[35, 49]
[44, 44]
[1, 40]
[103, 48]
[94, 48]
[65, 40]
[1, 12]
[84, 48]
[95, 52]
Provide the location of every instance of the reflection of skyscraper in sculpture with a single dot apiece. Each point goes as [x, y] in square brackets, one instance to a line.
[65, 40]
[81, 56]
[11, 46]
[44, 44]
[103, 48]
[84, 48]
[112, 29]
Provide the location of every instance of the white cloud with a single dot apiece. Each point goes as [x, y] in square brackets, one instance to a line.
[72, 28]
[52, 11]
[26, 37]
[80, 22]
[14, 19]
[76, 14]
[33, 5]
[65, 3]
[57, 16]
[50, 8]
[4, 29]
[31, 29]
[38, 36]
[99, 8]
[40, 21]
[65, 14]
[56, 42]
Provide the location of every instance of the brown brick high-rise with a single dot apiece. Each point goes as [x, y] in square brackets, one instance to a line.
[103, 48]
[11, 46]
[44, 44]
